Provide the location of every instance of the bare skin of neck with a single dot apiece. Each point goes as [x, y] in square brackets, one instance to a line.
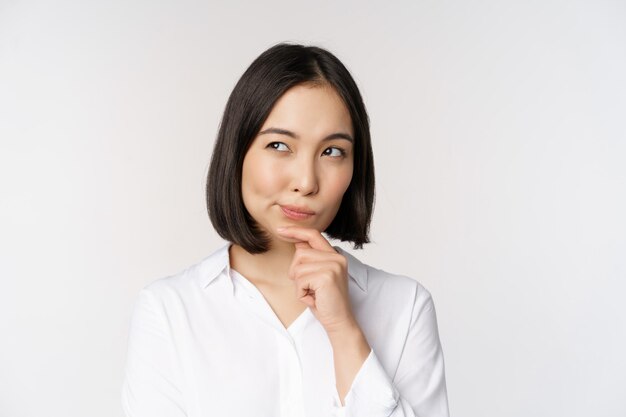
[269, 268]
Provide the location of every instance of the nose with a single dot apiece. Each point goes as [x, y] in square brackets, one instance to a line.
[305, 178]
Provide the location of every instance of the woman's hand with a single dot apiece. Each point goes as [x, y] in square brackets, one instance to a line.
[321, 277]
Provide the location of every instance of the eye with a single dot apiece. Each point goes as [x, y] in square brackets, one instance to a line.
[341, 151]
[271, 144]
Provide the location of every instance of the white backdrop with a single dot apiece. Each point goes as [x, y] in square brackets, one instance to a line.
[499, 139]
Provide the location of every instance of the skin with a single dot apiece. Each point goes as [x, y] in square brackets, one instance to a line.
[302, 268]
[295, 172]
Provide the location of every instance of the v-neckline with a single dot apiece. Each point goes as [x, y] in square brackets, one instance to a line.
[294, 327]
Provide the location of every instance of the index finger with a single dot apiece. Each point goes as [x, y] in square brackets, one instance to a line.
[306, 234]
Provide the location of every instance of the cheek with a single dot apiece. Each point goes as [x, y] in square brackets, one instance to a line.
[339, 182]
[260, 176]
[345, 178]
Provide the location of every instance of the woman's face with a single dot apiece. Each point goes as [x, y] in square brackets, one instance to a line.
[298, 166]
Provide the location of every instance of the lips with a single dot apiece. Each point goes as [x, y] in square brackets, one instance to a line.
[294, 213]
[298, 209]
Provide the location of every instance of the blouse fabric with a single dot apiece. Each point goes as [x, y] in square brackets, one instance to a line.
[205, 343]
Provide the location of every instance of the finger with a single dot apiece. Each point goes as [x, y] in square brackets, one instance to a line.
[306, 234]
[302, 245]
[307, 285]
[314, 256]
[316, 274]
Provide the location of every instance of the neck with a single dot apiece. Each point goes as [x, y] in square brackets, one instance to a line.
[271, 267]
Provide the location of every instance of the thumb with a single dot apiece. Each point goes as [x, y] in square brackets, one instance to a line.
[309, 301]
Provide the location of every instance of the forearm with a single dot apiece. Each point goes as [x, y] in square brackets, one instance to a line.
[350, 350]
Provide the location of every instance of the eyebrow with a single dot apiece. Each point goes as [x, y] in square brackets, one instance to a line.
[280, 131]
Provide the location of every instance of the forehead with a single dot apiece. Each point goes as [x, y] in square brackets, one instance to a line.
[310, 111]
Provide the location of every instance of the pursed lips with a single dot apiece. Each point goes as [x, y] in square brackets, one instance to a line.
[297, 209]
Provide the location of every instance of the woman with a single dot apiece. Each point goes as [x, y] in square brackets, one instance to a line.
[278, 322]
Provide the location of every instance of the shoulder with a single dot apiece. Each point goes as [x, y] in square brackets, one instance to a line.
[393, 301]
[397, 286]
[187, 281]
[391, 287]
[178, 281]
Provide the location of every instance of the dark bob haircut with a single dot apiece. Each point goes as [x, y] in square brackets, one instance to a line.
[279, 68]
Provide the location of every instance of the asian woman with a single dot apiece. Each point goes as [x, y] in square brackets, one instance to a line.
[278, 321]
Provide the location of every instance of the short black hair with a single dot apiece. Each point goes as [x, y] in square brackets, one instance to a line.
[282, 66]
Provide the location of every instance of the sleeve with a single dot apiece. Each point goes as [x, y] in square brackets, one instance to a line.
[419, 386]
[151, 386]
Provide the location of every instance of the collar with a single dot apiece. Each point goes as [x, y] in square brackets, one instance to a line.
[213, 265]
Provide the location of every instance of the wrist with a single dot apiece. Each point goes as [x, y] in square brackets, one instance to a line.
[348, 328]
[346, 336]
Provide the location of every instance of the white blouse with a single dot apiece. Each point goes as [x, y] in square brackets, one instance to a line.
[205, 343]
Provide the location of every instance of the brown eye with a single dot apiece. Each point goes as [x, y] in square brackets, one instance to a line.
[341, 152]
[271, 144]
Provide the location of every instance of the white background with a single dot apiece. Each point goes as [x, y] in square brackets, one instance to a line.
[500, 144]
